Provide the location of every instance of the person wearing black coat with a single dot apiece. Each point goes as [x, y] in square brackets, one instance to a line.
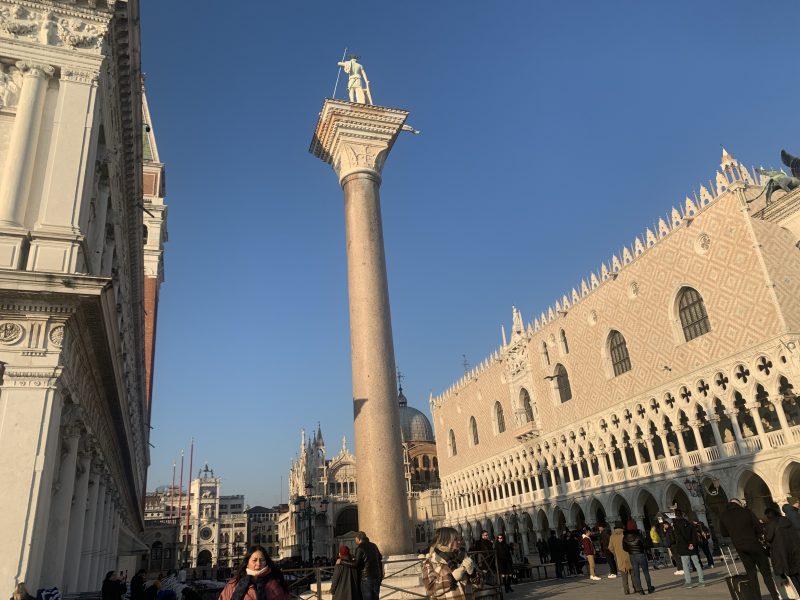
[345, 584]
[369, 563]
[113, 588]
[505, 564]
[742, 527]
[784, 546]
[633, 544]
[556, 553]
[686, 544]
[137, 585]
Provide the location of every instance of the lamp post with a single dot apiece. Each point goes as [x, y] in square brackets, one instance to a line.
[696, 488]
[304, 509]
[514, 518]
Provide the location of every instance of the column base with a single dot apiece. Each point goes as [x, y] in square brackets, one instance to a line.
[402, 579]
[13, 246]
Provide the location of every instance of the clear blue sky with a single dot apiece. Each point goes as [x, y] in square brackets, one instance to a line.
[553, 133]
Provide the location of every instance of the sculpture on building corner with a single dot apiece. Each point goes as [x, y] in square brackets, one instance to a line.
[778, 180]
[358, 92]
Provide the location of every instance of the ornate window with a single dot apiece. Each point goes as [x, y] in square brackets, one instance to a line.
[451, 443]
[525, 397]
[618, 350]
[693, 315]
[499, 418]
[564, 344]
[473, 431]
[562, 381]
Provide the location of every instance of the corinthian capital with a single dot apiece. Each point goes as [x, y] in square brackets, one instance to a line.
[34, 69]
[355, 138]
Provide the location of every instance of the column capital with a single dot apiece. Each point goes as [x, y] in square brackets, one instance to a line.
[34, 69]
[355, 137]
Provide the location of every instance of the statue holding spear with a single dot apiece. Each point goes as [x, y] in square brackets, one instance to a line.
[357, 91]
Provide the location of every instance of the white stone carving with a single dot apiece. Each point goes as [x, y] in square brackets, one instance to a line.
[57, 335]
[10, 333]
[10, 85]
[51, 29]
[703, 243]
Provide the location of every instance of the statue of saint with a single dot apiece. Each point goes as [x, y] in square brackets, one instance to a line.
[355, 71]
[10, 85]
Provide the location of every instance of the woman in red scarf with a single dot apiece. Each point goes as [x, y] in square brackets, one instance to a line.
[257, 578]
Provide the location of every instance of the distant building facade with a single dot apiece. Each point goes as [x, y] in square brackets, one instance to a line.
[334, 482]
[79, 288]
[262, 527]
[682, 352]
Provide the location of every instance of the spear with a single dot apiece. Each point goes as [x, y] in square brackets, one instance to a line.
[338, 73]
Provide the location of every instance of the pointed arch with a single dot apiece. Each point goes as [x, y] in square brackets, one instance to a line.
[499, 418]
[473, 432]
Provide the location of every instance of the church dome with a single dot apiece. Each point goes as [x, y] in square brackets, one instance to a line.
[414, 425]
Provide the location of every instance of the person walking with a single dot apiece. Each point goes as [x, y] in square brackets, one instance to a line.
[703, 536]
[556, 548]
[742, 527]
[448, 574]
[792, 511]
[633, 544]
[605, 538]
[541, 547]
[369, 564]
[621, 557]
[345, 584]
[587, 545]
[784, 546]
[686, 546]
[256, 578]
[505, 564]
[485, 558]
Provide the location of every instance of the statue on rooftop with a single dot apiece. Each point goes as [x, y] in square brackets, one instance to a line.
[357, 91]
[778, 180]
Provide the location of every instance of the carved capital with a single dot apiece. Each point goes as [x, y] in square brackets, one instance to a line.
[31, 377]
[356, 137]
[79, 76]
[36, 70]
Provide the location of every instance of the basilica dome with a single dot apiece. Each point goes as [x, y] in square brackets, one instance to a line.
[414, 425]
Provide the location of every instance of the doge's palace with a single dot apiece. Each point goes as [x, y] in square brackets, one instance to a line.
[79, 276]
[683, 351]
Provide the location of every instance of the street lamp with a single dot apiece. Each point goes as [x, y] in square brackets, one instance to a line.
[696, 488]
[515, 525]
[304, 509]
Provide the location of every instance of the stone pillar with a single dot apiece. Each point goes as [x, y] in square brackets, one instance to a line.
[648, 439]
[96, 524]
[58, 529]
[77, 520]
[356, 140]
[21, 155]
[753, 408]
[681, 444]
[714, 421]
[698, 439]
[737, 431]
[96, 491]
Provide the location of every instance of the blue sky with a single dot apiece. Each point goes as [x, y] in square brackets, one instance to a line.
[553, 133]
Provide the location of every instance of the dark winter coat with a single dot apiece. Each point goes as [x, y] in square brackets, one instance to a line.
[505, 564]
[137, 587]
[605, 538]
[369, 561]
[633, 542]
[793, 514]
[685, 536]
[556, 547]
[345, 584]
[740, 524]
[784, 546]
[485, 547]
[112, 590]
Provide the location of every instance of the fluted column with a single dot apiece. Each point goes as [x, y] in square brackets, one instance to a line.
[77, 520]
[97, 490]
[356, 140]
[21, 154]
[60, 509]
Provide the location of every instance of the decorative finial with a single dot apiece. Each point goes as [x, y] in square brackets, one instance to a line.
[465, 363]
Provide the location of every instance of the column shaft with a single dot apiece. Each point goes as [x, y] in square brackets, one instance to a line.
[381, 478]
[77, 521]
[21, 155]
[97, 491]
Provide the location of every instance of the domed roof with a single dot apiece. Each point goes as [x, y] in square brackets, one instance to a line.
[414, 425]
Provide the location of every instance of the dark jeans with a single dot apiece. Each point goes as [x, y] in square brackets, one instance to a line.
[559, 567]
[612, 563]
[370, 588]
[753, 558]
[639, 561]
[707, 551]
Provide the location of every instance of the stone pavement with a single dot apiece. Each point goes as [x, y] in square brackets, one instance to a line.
[668, 587]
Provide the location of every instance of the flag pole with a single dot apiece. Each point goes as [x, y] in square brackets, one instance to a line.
[337, 75]
[189, 495]
[180, 500]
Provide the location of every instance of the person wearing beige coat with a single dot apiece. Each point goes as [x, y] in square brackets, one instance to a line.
[623, 558]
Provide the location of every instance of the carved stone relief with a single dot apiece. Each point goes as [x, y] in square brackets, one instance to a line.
[51, 29]
[10, 333]
[57, 335]
[10, 86]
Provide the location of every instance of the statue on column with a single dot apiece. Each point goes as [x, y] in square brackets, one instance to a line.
[357, 91]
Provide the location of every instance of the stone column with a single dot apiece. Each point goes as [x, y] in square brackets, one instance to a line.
[753, 408]
[58, 529]
[648, 439]
[732, 415]
[77, 520]
[21, 155]
[356, 140]
[698, 439]
[97, 489]
[95, 523]
[714, 421]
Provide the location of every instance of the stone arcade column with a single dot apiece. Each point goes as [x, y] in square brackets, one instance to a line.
[97, 492]
[77, 520]
[356, 140]
[16, 179]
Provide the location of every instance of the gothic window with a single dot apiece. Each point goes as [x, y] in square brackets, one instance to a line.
[562, 381]
[564, 344]
[473, 431]
[693, 315]
[618, 350]
[545, 355]
[451, 443]
[526, 404]
[426, 462]
[499, 418]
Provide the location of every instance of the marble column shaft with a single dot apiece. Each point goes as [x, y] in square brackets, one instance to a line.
[97, 492]
[99, 531]
[77, 521]
[21, 154]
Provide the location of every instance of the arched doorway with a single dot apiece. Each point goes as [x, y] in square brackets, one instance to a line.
[792, 479]
[621, 509]
[544, 524]
[530, 533]
[648, 508]
[561, 521]
[756, 493]
[204, 558]
[346, 521]
[677, 498]
[577, 517]
[597, 511]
